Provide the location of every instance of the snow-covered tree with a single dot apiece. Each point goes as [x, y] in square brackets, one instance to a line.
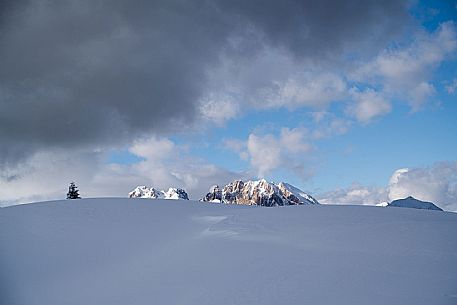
[73, 192]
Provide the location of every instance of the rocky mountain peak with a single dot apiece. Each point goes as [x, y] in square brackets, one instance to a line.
[214, 195]
[411, 202]
[152, 193]
[258, 192]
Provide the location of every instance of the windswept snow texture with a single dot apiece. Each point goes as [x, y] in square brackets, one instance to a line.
[142, 252]
[413, 203]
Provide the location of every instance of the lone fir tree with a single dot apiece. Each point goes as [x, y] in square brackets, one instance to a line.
[73, 192]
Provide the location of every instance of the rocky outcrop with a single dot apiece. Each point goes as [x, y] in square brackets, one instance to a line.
[214, 195]
[260, 192]
[411, 202]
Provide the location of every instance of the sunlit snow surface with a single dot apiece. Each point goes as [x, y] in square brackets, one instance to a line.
[142, 251]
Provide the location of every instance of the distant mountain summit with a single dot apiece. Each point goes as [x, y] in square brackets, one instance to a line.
[152, 193]
[411, 202]
[259, 192]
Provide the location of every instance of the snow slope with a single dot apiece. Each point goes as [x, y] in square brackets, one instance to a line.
[138, 251]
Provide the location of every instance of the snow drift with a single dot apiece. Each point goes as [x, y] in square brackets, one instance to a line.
[142, 252]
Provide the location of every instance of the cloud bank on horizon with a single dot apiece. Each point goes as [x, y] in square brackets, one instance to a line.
[436, 183]
[192, 93]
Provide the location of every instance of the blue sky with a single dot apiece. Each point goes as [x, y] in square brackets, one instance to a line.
[352, 102]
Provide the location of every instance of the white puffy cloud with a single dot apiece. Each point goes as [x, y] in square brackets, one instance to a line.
[237, 146]
[406, 71]
[290, 149]
[368, 105]
[268, 152]
[436, 183]
[153, 148]
[355, 194]
[318, 116]
[313, 88]
[265, 153]
[219, 108]
[327, 125]
[294, 140]
[450, 88]
[396, 175]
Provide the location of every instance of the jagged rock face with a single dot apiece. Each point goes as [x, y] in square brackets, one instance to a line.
[296, 195]
[252, 193]
[214, 195]
[152, 193]
[259, 192]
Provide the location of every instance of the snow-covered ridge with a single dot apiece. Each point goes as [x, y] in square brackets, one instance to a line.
[152, 193]
[258, 192]
[108, 251]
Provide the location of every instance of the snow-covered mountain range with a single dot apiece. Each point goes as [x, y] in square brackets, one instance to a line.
[258, 192]
[252, 192]
[411, 202]
[261, 192]
[152, 193]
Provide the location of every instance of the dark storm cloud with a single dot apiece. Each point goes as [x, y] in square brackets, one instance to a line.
[95, 73]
